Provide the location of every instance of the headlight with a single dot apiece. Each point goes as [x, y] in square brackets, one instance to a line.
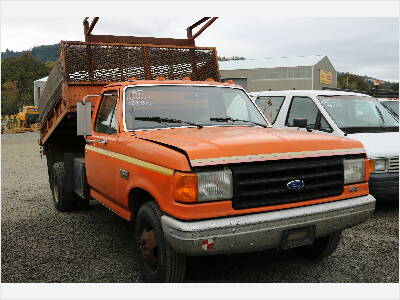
[216, 185]
[354, 170]
[203, 186]
[380, 164]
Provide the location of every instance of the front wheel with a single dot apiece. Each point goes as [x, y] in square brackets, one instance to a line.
[322, 247]
[157, 260]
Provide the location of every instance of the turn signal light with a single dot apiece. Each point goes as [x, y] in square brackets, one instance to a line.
[229, 81]
[186, 78]
[369, 168]
[185, 187]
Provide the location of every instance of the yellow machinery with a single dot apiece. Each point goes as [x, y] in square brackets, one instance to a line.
[28, 116]
[25, 120]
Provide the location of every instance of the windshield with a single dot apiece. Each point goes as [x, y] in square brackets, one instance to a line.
[149, 107]
[359, 114]
[33, 109]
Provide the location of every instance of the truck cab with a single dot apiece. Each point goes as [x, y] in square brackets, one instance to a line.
[149, 131]
[343, 114]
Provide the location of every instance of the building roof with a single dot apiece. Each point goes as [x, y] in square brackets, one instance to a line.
[42, 79]
[264, 63]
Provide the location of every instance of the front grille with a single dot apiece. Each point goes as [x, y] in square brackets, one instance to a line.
[265, 183]
[394, 164]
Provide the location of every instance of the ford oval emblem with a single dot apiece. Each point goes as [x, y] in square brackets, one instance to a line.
[295, 185]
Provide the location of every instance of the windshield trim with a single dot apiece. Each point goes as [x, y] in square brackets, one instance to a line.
[184, 126]
[191, 84]
[344, 127]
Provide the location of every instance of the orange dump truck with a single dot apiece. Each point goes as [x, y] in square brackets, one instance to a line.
[144, 126]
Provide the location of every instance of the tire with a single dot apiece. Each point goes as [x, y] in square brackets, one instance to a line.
[322, 247]
[157, 260]
[63, 200]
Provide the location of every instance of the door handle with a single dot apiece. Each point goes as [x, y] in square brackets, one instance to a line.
[101, 141]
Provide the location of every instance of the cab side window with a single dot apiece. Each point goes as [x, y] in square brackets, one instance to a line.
[302, 107]
[106, 121]
[270, 106]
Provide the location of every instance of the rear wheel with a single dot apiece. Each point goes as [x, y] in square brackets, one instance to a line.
[157, 260]
[64, 200]
[322, 247]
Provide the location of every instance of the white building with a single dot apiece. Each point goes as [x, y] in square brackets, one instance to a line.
[38, 87]
[283, 73]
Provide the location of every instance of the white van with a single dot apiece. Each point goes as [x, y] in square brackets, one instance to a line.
[354, 115]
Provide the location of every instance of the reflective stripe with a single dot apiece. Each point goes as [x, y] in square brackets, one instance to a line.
[276, 155]
[131, 160]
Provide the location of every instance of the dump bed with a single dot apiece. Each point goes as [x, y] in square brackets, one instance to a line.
[83, 68]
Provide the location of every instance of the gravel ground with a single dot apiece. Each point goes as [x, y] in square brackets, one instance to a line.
[39, 244]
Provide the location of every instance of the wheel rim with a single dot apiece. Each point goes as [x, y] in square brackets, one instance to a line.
[147, 248]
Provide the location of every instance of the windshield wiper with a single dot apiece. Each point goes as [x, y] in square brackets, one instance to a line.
[167, 120]
[381, 116]
[229, 119]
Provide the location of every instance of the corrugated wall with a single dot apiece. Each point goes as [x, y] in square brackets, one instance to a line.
[285, 78]
[274, 78]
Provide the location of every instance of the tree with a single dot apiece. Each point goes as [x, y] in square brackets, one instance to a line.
[394, 86]
[18, 75]
[10, 96]
[49, 65]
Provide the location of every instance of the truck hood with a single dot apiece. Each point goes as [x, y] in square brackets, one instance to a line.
[380, 144]
[222, 145]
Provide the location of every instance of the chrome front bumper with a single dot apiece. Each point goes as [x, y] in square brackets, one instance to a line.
[263, 230]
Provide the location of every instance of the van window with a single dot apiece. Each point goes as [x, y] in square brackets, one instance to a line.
[356, 114]
[302, 107]
[270, 106]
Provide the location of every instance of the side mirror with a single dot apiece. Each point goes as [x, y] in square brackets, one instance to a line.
[300, 122]
[84, 118]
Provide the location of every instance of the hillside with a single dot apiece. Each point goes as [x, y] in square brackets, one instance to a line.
[41, 53]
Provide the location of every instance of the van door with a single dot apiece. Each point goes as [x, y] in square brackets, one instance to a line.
[304, 107]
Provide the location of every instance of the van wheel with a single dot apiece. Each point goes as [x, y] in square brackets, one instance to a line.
[322, 247]
[157, 260]
[63, 201]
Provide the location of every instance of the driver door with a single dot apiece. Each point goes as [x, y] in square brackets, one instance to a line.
[101, 167]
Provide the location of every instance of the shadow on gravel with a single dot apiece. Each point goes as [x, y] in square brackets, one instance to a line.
[387, 205]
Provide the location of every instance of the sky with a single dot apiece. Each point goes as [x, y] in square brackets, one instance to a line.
[366, 45]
